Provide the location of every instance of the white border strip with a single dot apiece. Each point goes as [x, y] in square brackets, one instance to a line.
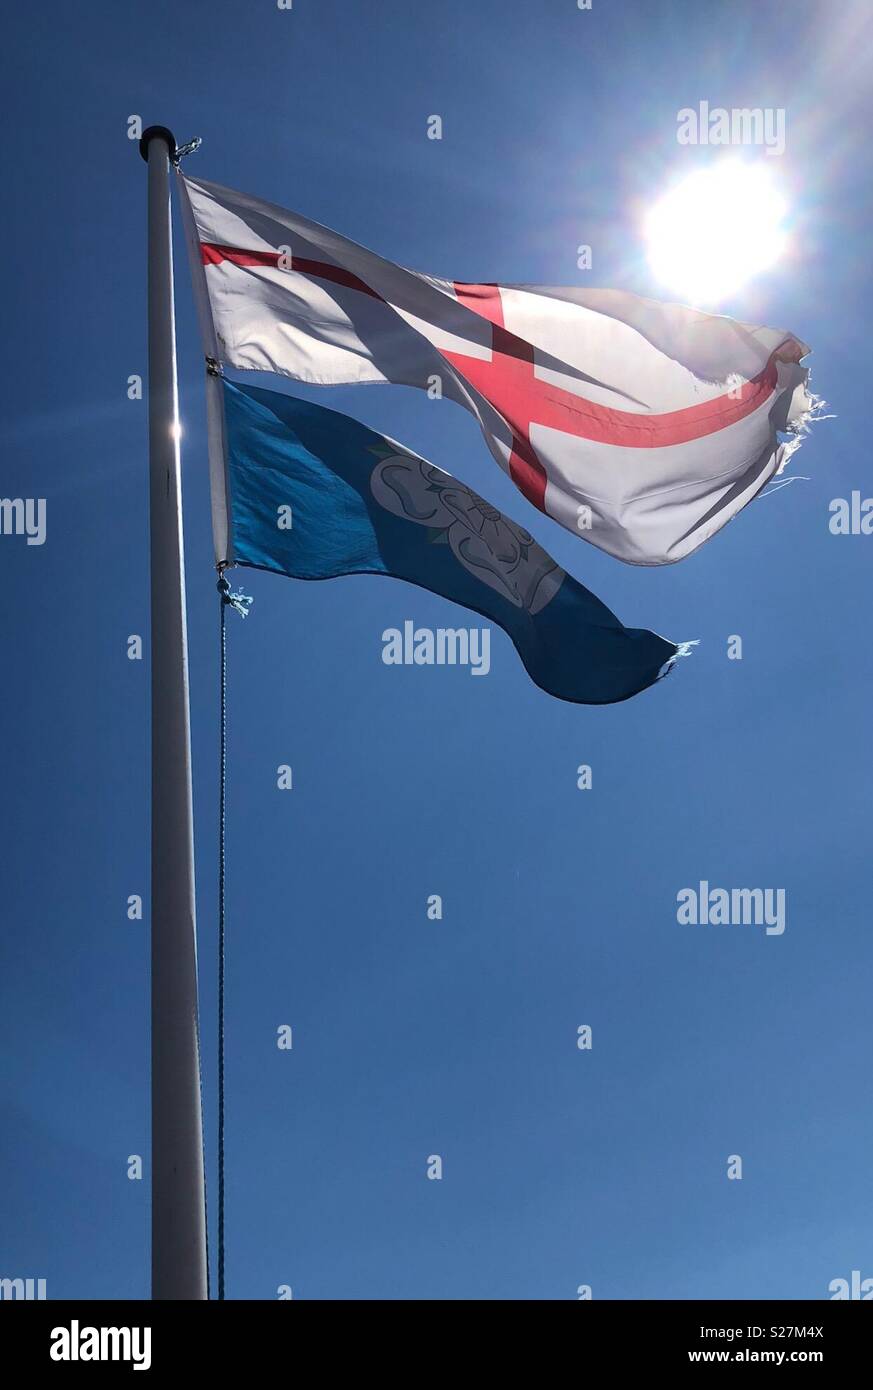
[222, 529]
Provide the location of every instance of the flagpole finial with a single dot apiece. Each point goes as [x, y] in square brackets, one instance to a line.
[157, 132]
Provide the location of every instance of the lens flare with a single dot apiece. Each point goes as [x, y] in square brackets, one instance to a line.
[716, 230]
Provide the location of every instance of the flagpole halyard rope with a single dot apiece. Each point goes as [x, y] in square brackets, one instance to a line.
[223, 587]
[241, 602]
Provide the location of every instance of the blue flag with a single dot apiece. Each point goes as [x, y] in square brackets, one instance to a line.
[314, 494]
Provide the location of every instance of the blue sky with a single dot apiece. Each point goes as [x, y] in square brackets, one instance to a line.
[411, 1038]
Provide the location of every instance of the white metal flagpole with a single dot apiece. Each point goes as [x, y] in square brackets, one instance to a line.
[179, 1269]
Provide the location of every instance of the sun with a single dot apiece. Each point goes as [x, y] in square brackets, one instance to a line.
[715, 230]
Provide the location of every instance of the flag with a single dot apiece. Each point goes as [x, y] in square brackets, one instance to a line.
[314, 494]
[641, 427]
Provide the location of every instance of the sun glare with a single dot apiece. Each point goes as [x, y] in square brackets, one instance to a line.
[716, 230]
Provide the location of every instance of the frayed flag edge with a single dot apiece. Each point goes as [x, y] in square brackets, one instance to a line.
[682, 649]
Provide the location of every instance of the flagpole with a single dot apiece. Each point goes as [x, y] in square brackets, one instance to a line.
[179, 1269]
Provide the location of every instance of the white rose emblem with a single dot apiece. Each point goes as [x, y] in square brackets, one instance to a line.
[488, 545]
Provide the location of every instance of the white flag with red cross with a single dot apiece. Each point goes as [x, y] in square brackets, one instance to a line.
[642, 427]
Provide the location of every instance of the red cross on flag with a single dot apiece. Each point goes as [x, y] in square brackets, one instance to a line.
[642, 427]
